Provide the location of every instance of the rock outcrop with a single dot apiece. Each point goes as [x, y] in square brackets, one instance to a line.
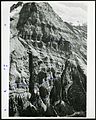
[40, 39]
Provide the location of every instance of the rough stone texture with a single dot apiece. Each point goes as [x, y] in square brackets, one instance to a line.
[37, 28]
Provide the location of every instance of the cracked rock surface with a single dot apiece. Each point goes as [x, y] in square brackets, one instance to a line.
[48, 63]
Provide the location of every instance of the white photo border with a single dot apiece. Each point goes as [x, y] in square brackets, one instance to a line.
[5, 51]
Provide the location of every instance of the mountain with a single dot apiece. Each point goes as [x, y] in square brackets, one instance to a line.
[75, 13]
[39, 39]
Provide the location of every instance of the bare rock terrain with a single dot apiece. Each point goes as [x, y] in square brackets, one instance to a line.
[41, 41]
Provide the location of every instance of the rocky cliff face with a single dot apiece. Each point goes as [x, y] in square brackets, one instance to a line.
[40, 39]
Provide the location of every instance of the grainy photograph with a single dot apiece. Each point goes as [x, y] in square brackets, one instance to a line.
[48, 59]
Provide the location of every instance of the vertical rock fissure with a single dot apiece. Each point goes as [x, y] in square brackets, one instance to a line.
[31, 68]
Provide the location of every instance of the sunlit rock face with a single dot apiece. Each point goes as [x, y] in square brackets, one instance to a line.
[53, 44]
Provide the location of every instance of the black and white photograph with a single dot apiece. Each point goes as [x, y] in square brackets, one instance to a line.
[48, 59]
